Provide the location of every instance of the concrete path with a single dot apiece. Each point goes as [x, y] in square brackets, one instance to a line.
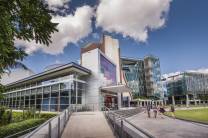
[87, 125]
[169, 128]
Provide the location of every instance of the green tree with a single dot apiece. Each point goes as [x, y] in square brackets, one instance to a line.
[25, 20]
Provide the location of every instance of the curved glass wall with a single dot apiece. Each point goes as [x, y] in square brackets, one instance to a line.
[134, 75]
[55, 96]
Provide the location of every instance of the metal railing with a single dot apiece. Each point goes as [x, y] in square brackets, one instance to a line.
[53, 128]
[123, 128]
[85, 107]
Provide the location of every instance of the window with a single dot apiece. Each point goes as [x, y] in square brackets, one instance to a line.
[55, 87]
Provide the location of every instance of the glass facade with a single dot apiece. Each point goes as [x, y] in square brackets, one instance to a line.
[51, 95]
[134, 75]
[153, 77]
[195, 84]
[143, 76]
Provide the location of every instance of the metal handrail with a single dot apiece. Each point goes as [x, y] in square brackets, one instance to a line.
[16, 134]
[122, 120]
[48, 122]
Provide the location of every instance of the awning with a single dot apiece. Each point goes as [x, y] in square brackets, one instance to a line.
[117, 88]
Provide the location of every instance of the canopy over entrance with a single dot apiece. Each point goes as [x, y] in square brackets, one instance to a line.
[117, 88]
[116, 96]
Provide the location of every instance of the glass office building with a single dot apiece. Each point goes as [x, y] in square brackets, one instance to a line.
[192, 83]
[143, 76]
[52, 90]
[134, 75]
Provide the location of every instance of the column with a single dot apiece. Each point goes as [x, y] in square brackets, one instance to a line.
[8, 102]
[12, 100]
[76, 92]
[49, 102]
[165, 102]
[41, 108]
[36, 98]
[173, 101]
[29, 98]
[195, 102]
[24, 100]
[181, 102]
[140, 102]
[187, 100]
[59, 99]
[128, 102]
[20, 99]
[119, 100]
[16, 102]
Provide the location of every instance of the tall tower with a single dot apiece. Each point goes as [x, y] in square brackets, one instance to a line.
[152, 76]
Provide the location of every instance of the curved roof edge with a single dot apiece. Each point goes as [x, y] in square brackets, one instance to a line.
[59, 68]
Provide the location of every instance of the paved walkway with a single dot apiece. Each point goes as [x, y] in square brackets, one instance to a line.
[87, 125]
[169, 128]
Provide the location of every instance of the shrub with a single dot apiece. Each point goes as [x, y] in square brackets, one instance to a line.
[2, 110]
[13, 128]
[47, 115]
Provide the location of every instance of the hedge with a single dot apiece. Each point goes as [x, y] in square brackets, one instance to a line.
[19, 126]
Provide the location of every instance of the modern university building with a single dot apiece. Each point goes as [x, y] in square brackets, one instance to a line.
[101, 79]
[188, 88]
[143, 76]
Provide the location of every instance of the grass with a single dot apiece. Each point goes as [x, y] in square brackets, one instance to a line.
[198, 115]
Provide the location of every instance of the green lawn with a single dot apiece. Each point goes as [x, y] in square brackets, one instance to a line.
[199, 115]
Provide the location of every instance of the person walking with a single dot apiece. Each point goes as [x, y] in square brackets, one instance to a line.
[148, 111]
[161, 111]
[155, 111]
[172, 109]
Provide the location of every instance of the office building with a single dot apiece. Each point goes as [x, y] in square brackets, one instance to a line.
[143, 76]
[188, 87]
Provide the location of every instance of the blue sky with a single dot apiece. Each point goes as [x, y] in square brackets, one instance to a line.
[181, 44]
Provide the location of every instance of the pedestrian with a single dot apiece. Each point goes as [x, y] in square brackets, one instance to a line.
[161, 111]
[172, 109]
[148, 111]
[155, 111]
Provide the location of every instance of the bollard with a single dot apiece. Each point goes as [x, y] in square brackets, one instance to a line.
[121, 128]
[68, 114]
[114, 123]
[65, 118]
[49, 129]
[59, 134]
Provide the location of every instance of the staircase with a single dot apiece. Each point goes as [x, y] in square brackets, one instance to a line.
[128, 112]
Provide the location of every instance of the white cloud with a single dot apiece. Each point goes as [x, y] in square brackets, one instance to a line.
[15, 75]
[54, 4]
[133, 18]
[202, 70]
[71, 28]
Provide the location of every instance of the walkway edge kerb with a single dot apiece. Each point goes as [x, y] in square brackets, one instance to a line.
[65, 124]
[109, 124]
[143, 131]
[190, 121]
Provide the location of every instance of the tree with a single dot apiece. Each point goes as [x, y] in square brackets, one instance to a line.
[25, 20]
